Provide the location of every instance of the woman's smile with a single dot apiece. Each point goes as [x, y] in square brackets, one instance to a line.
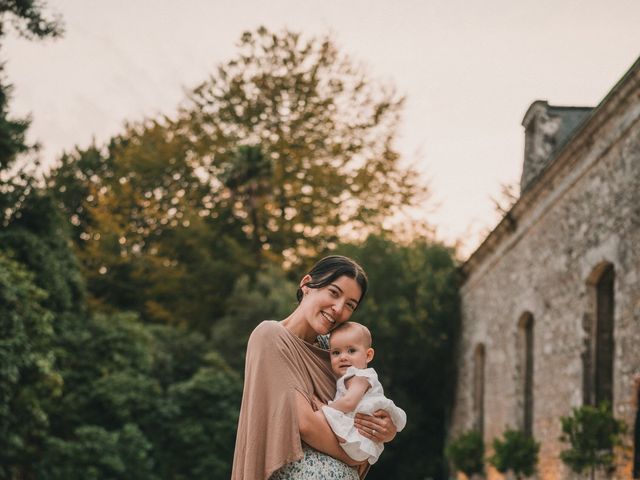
[328, 318]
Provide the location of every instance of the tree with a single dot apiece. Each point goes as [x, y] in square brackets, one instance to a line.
[41, 285]
[267, 295]
[29, 19]
[127, 386]
[15, 183]
[509, 195]
[12, 132]
[592, 434]
[94, 453]
[197, 436]
[285, 147]
[147, 234]
[38, 237]
[110, 383]
[298, 143]
[28, 376]
[517, 452]
[178, 353]
[466, 453]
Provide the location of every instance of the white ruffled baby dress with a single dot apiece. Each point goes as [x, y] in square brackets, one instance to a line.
[355, 445]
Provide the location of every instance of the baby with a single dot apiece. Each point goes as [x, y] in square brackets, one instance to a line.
[358, 391]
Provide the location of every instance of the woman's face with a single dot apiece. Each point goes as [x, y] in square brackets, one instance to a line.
[327, 307]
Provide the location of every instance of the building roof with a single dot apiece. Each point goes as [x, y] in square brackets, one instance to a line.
[572, 118]
[580, 125]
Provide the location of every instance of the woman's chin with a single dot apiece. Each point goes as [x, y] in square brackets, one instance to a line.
[324, 328]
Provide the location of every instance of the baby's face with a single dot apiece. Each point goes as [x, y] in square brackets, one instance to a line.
[347, 349]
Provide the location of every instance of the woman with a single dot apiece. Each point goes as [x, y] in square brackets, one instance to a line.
[288, 374]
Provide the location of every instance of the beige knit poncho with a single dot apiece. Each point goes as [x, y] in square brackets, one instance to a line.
[278, 364]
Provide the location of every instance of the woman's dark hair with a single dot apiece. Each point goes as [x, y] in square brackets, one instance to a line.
[332, 267]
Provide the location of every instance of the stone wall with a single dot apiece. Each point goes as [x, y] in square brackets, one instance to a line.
[583, 212]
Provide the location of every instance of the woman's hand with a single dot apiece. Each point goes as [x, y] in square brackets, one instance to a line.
[377, 427]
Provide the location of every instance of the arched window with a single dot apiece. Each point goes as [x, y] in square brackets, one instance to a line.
[478, 388]
[525, 352]
[599, 364]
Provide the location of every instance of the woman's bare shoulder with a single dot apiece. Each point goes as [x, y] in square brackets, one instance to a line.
[268, 329]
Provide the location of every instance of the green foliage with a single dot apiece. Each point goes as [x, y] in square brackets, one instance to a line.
[517, 452]
[298, 143]
[466, 453]
[27, 366]
[39, 285]
[269, 295]
[109, 384]
[412, 311]
[163, 385]
[28, 18]
[200, 427]
[12, 131]
[38, 237]
[178, 353]
[94, 453]
[592, 433]
[16, 183]
[146, 231]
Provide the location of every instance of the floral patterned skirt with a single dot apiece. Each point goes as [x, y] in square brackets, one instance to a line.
[315, 466]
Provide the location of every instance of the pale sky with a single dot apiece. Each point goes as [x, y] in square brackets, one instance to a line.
[469, 70]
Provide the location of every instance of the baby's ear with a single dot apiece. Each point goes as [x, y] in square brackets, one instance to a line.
[370, 354]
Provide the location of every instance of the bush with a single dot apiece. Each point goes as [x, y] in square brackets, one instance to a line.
[592, 433]
[466, 453]
[94, 453]
[517, 452]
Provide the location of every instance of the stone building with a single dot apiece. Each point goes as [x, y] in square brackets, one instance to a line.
[551, 298]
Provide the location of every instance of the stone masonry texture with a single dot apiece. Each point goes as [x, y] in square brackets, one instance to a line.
[582, 212]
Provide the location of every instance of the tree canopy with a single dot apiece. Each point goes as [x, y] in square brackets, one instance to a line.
[286, 149]
[298, 142]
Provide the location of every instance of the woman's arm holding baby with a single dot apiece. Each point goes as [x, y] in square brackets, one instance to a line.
[316, 432]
